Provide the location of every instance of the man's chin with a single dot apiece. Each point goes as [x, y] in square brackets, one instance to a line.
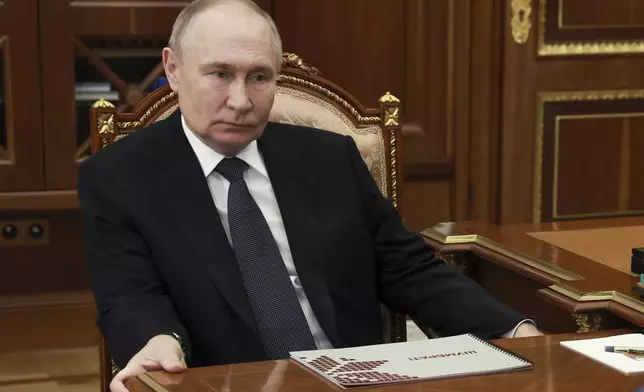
[230, 145]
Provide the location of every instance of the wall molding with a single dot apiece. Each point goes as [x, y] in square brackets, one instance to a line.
[579, 47]
[543, 98]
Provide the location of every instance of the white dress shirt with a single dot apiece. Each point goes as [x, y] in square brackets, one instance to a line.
[261, 189]
[259, 185]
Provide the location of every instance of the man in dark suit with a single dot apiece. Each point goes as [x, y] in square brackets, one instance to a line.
[216, 237]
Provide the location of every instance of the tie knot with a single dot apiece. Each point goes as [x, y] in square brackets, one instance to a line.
[232, 168]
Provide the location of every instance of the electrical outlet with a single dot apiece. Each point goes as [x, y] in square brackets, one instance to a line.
[28, 232]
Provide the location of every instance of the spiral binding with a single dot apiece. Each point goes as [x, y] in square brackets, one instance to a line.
[501, 349]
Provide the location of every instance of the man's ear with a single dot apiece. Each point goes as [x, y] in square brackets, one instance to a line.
[171, 66]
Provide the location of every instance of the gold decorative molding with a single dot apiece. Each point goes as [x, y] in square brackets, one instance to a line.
[388, 98]
[585, 325]
[455, 261]
[463, 239]
[120, 136]
[590, 95]
[576, 48]
[449, 259]
[102, 103]
[391, 117]
[333, 96]
[129, 124]
[394, 170]
[105, 127]
[494, 246]
[598, 296]
[521, 21]
[105, 123]
[390, 113]
[151, 111]
[566, 96]
[295, 61]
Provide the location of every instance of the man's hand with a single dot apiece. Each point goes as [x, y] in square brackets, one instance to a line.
[526, 330]
[162, 352]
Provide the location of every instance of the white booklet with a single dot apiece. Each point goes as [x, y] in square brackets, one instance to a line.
[454, 356]
[624, 353]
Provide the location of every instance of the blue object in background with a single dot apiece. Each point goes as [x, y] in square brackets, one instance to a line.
[162, 81]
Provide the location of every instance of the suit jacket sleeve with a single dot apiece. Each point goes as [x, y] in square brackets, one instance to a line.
[414, 282]
[133, 303]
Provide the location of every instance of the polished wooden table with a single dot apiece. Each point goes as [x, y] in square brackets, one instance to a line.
[567, 276]
[556, 369]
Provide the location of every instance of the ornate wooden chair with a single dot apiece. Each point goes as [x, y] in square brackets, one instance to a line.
[303, 97]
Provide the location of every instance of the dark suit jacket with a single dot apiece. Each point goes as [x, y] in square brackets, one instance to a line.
[160, 260]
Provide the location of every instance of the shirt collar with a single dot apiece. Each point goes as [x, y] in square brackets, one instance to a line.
[209, 158]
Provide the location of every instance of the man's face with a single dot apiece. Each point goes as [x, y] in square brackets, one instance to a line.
[226, 77]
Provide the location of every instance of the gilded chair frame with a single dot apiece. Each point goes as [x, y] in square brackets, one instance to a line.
[107, 126]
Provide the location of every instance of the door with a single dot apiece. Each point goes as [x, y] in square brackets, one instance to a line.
[20, 110]
[572, 110]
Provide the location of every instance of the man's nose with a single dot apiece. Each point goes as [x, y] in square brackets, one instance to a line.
[238, 99]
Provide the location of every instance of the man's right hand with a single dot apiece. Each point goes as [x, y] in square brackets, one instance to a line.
[163, 352]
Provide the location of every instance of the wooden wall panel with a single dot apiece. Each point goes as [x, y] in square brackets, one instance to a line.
[428, 85]
[516, 162]
[357, 44]
[58, 266]
[587, 166]
[104, 18]
[578, 14]
[428, 210]
[21, 152]
[589, 155]
[478, 56]
[636, 167]
[592, 73]
[48, 321]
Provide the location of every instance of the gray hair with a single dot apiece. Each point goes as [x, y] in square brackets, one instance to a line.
[182, 23]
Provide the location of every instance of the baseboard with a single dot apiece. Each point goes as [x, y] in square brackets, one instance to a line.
[68, 365]
[48, 321]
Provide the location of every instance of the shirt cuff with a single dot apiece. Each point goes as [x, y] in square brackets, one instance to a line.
[510, 334]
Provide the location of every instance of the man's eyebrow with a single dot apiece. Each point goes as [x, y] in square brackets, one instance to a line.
[217, 65]
[263, 68]
[229, 67]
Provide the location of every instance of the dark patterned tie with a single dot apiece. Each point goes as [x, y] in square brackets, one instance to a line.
[278, 314]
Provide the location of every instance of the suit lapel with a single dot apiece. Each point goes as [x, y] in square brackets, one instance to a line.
[189, 202]
[300, 208]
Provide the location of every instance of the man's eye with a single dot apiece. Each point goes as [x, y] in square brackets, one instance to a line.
[220, 74]
[260, 78]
